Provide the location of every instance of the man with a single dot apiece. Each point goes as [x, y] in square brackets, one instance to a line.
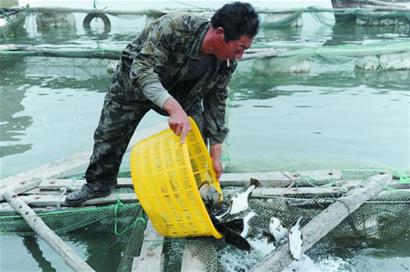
[180, 66]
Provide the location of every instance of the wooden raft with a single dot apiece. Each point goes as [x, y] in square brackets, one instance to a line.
[46, 187]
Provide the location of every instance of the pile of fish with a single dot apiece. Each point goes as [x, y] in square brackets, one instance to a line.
[233, 219]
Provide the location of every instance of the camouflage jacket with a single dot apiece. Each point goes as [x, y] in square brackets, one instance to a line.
[161, 55]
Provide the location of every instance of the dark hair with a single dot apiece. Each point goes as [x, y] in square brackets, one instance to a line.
[237, 19]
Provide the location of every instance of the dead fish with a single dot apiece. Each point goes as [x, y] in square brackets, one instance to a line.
[295, 240]
[230, 236]
[238, 204]
[210, 196]
[247, 228]
[277, 230]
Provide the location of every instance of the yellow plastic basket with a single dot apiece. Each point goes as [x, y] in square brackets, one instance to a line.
[166, 176]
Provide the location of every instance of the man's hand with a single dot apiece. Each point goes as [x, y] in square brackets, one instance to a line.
[216, 154]
[178, 119]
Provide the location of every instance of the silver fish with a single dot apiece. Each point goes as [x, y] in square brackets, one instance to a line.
[277, 230]
[238, 204]
[295, 240]
[247, 228]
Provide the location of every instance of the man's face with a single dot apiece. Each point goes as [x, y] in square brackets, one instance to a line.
[233, 49]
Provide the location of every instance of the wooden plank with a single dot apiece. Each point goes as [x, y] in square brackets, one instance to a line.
[190, 260]
[58, 200]
[47, 201]
[32, 178]
[269, 179]
[151, 257]
[37, 191]
[58, 184]
[324, 222]
[69, 256]
[274, 192]
[262, 192]
[282, 178]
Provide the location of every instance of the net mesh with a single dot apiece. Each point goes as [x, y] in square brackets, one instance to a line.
[99, 218]
[382, 218]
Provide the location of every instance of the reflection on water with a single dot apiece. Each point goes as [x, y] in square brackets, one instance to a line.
[17, 75]
[346, 34]
[12, 92]
[251, 84]
[31, 243]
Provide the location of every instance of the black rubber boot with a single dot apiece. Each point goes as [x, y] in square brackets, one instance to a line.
[85, 193]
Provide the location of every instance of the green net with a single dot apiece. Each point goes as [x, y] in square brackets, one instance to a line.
[387, 55]
[98, 218]
[379, 219]
[276, 20]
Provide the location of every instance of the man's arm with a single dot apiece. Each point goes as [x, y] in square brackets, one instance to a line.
[159, 44]
[216, 154]
[178, 119]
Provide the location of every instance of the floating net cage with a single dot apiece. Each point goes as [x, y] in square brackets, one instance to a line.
[380, 219]
[390, 54]
[47, 18]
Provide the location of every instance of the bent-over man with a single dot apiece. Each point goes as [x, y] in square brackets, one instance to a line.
[180, 66]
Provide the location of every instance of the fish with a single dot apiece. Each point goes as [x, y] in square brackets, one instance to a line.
[247, 228]
[232, 219]
[295, 240]
[230, 236]
[277, 230]
[210, 196]
[239, 203]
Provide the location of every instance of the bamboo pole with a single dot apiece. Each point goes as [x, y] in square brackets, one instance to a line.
[324, 222]
[65, 251]
[148, 12]
[70, 52]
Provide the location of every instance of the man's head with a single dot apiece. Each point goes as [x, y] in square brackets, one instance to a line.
[234, 26]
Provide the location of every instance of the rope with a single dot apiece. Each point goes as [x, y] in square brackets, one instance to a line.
[117, 206]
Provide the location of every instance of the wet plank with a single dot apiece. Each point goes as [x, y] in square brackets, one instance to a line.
[151, 257]
[269, 179]
[59, 200]
[190, 260]
[283, 178]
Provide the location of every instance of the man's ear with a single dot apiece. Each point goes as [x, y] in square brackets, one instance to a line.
[220, 32]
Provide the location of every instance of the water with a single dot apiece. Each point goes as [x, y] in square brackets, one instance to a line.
[334, 116]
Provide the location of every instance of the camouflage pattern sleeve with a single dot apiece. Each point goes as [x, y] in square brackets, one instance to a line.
[215, 106]
[158, 45]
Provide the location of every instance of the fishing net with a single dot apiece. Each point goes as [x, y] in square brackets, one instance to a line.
[98, 219]
[275, 20]
[347, 16]
[382, 218]
[387, 55]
